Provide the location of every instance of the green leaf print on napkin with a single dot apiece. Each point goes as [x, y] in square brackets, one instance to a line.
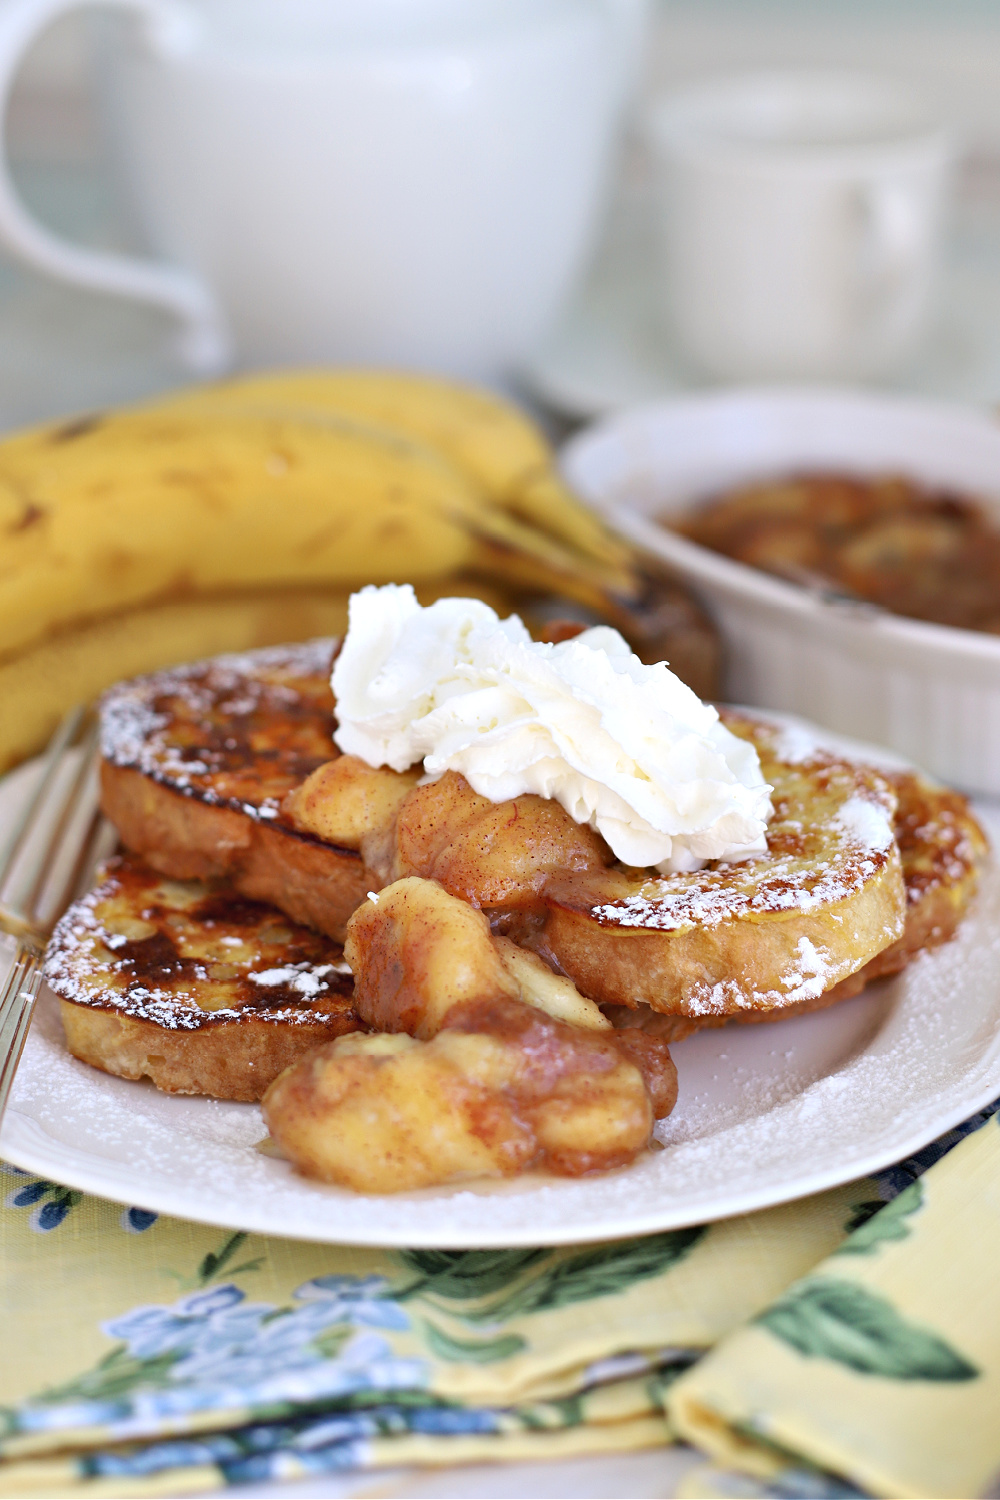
[475, 1350]
[466, 1275]
[839, 1320]
[886, 1224]
[509, 1283]
[215, 1262]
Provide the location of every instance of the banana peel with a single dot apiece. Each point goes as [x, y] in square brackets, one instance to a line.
[139, 507]
[38, 685]
[490, 440]
[245, 513]
[125, 508]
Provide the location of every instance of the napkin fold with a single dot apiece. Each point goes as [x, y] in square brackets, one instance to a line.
[882, 1365]
[147, 1355]
[154, 1354]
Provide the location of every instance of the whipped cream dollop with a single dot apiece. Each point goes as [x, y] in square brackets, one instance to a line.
[627, 748]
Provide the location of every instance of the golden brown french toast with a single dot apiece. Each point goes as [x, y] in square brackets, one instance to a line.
[228, 768]
[942, 849]
[758, 936]
[193, 986]
[197, 760]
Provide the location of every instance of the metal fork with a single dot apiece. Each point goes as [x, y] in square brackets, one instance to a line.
[47, 857]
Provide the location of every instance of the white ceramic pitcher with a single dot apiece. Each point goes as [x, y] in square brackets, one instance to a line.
[414, 182]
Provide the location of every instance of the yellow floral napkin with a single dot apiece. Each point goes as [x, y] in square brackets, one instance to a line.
[145, 1355]
[882, 1365]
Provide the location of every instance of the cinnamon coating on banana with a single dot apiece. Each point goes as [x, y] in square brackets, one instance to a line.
[472, 1073]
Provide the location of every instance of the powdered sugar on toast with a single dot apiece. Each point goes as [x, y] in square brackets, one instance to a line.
[175, 952]
[196, 727]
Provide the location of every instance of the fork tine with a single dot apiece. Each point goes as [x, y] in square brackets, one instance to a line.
[20, 971]
[24, 965]
[101, 842]
[32, 875]
[43, 862]
[17, 1001]
[63, 737]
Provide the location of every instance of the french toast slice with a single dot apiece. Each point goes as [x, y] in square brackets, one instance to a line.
[942, 849]
[192, 985]
[758, 936]
[196, 763]
[207, 769]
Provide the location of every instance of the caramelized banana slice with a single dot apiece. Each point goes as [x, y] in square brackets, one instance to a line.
[502, 1089]
[550, 992]
[354, 805]
[415, 952]
[478, 1079]
[491, 853]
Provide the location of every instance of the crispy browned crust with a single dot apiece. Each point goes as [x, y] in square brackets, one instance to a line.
[943, 849]
[198, 761]
[192, 986]
[190, 839]
[760, 936]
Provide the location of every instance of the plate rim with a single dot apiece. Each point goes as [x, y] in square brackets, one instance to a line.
[740, 1205]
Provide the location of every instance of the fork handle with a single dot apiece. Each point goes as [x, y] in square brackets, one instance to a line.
[17, 1001]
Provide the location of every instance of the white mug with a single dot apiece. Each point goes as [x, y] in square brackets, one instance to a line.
[414, 182]
[801, 221]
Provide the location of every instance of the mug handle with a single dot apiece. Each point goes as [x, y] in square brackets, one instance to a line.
[891, 244]
[204, 343]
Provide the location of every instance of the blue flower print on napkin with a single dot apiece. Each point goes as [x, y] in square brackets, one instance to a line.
[51, 1203]
[214, 1350]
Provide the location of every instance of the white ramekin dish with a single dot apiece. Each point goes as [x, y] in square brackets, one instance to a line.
[930, 692]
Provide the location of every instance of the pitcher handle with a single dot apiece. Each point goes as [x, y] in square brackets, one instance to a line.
[204, 343]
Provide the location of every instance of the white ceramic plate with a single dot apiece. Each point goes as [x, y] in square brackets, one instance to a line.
[766, 1113]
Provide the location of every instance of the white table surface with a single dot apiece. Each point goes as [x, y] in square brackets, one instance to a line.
[651, 1475]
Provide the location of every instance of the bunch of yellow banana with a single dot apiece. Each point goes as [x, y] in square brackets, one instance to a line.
[496, 448]
[230, 515]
